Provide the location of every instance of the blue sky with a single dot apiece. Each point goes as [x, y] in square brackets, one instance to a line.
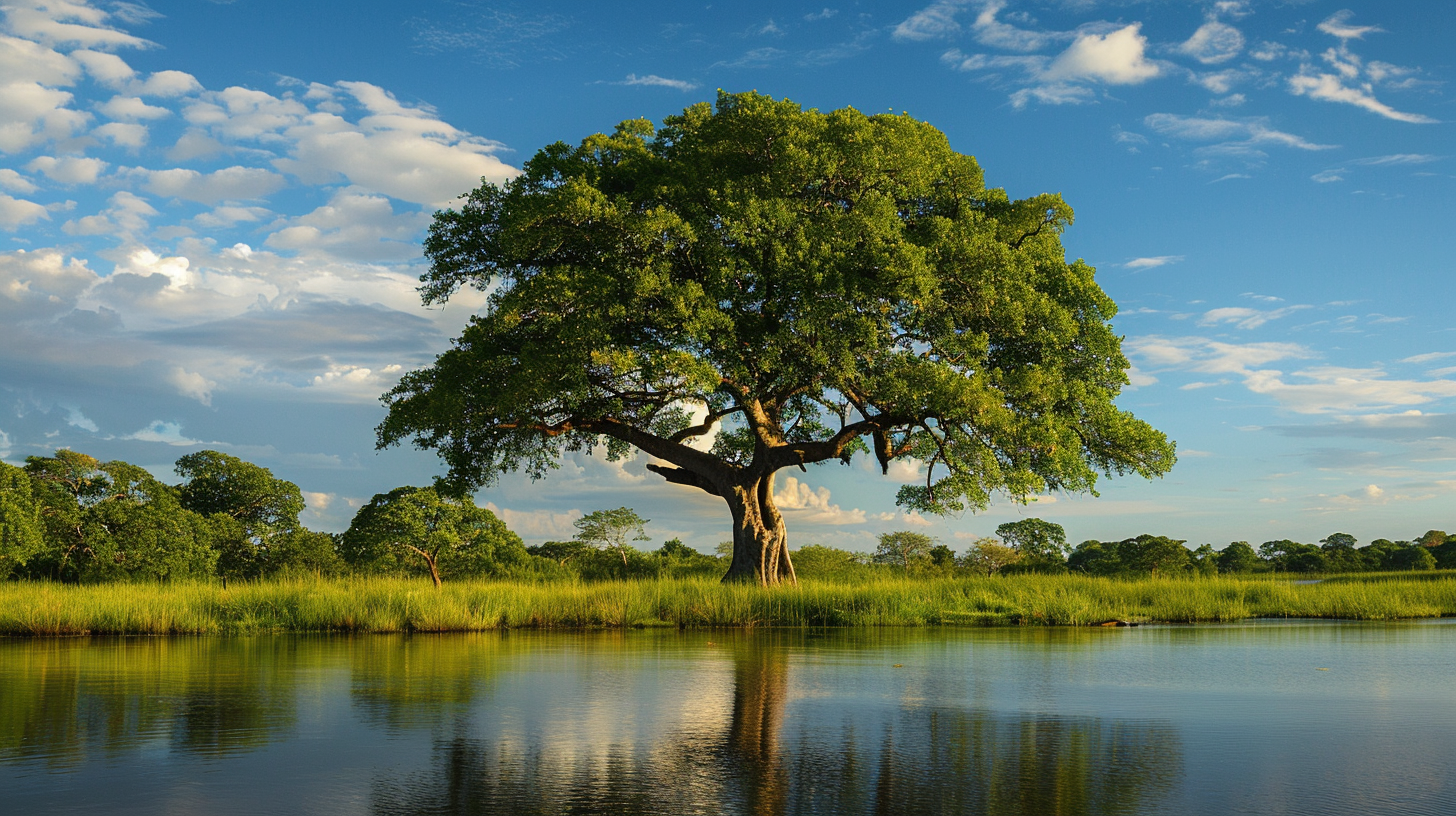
[210, 217]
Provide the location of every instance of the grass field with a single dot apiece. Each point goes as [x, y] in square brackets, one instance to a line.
[397, 605]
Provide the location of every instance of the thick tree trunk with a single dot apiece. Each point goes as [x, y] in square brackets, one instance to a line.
[760, 545]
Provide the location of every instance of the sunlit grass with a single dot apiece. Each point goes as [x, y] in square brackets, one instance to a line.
[400, 605]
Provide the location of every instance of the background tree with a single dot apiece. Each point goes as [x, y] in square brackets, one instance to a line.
[1432, 538]
[1204, 560]
[612, 530]
[942, 557]
[1095, 558]
[114, 521]
[415, 529]
[1038, 541]
[811, 285]
[989, 556]
[21, 528]
[1153, 554]
[261, 506]
[905, 549]
[1340, 554]
[1237, 557]
[1291, 556]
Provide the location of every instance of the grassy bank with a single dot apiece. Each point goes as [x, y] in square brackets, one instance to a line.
[390, 605]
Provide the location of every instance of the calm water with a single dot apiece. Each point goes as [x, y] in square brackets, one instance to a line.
[1268, 718]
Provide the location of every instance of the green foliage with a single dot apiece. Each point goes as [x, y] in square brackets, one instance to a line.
[305, 552]
[1291, 556]
[825, 284]
[1036, 540]
[416, 531]
[987, 556]
[21, 529]
[1237, 557]
[1158, 555]
[1203, 561]
[611, 530]
[818, 562]
[112, 521]
[904, 549]
[1095, 558]
[260, 506]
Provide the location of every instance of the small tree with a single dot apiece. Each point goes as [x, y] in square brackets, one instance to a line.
[942, 557]
[904, 549]
[1038, 541]
[20, 523]
[450, 537]
[1095, 558]
[989, 556]
[612, 530]
[1432, 538]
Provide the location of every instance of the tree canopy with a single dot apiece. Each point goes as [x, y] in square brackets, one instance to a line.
[756, 286]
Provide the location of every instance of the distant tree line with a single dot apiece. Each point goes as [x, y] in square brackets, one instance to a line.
[70, 517]
[73, 518]
[1035, 545]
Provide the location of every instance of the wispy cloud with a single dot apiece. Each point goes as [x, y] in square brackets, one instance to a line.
[1351, 81]
[1152, 262]
[653, 80]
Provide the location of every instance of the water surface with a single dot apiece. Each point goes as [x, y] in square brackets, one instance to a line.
[1265, 718]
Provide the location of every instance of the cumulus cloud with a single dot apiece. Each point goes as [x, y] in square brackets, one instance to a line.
[18, 212]
[813, 505]
[68, 169]
[236, 183]
[538, 524]
[1116, 58]
[166, 433]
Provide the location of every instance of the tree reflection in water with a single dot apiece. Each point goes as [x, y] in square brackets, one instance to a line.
[65, 701]
[880, 760]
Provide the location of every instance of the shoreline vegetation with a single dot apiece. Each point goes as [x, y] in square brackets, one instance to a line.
[391, 605]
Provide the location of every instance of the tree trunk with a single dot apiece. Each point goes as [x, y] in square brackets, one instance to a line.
[430, 560]
[760, 545]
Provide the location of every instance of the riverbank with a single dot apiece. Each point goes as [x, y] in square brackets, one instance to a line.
[397, 605]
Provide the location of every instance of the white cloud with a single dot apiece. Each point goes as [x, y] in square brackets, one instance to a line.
[62, 22]
[1152, 262]
[76, 419]
[131, 108]
[1328, 176]
[166, 433]
[654, 80]
[1353, 82]
[192, 385]
[936, 21]
[123, 134]
[356, 226]
[1115, 58]
[15, 182]
[18, 212]
[40, 285]
[1214, 42]
[1242, 317]
[31, 114]
[1240, 139]
[1335, 389]
[108, 69]
[127, 215]
[1329, 88]
[538, 524]
[231, 183]
[68, 169]
[1336, 25]
[990, 31]
[808, 504]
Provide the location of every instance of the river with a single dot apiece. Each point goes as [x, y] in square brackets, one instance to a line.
[1288, 717]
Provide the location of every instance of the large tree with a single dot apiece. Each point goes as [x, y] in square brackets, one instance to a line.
[756, 286]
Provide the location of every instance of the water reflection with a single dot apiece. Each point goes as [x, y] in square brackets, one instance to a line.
[65, 700]
[888, 760]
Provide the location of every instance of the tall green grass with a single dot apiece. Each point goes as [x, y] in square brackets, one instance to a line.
[399, 605]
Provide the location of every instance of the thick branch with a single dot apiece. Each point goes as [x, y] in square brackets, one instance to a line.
[683, 476]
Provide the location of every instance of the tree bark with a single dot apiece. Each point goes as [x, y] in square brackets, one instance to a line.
[430, 560]
[760, 544]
